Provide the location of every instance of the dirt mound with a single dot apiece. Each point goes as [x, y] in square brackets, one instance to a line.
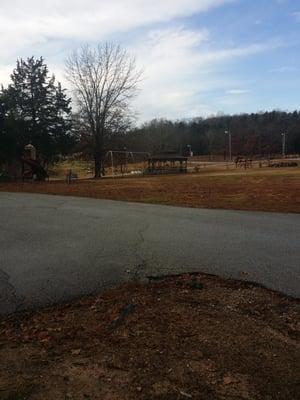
[187, 337]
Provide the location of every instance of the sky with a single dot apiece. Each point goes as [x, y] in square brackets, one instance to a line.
[199, 57]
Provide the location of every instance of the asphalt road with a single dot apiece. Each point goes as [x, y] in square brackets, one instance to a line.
[54, 248]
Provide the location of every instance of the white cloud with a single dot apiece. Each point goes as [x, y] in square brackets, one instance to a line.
[237, 91]
[5, 71]
[182, 70]
[296, 15]
[51, 27]
[182, 66]
[167, 56]
[25, 24]
[285, 69]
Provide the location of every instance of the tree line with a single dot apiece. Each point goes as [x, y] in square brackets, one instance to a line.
[257, 134]
[34, 108]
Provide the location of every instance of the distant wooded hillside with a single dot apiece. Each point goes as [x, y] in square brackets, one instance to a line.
[252, 134]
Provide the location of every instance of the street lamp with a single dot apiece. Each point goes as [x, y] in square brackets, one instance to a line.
[283, 143]
[229, 141]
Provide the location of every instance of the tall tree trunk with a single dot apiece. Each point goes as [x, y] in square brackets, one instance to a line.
[98, 155]
[98, 164]
[98, 152]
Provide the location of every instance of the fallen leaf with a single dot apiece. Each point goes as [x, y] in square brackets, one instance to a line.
[227, 380]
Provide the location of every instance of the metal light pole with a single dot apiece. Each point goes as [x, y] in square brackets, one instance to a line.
[189, 147]
[229, 144]
[283, 143]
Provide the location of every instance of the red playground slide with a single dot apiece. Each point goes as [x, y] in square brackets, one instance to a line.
[36, 169]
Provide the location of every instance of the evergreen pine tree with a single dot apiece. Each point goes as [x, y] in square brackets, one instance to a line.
[40, 108]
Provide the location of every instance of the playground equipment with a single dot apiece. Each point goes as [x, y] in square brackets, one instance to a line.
[119, 163]
[243, 162]
[31, 168]
[125, 162]
[167, 163]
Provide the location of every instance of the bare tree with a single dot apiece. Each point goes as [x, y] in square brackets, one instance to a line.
[104, 79]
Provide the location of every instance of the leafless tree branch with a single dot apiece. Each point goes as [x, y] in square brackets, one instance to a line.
[104, 80]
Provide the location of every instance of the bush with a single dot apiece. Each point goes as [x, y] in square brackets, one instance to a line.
[5, 177]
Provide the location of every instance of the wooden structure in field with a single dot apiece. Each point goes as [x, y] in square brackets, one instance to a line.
[166, 163]
[31, 167]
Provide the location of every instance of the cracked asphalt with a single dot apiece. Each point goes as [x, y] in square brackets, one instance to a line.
[55, 248]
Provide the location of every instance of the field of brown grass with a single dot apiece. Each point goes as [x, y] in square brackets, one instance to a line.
[265, 189]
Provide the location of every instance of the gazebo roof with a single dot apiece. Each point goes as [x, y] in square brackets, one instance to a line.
[167, 157]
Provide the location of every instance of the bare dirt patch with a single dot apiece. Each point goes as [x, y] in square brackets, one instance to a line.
[187, 337]
[260, 190]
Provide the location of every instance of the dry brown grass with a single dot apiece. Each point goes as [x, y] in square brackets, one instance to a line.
[260, 190]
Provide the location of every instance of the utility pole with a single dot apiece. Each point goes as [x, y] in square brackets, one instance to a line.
[229, 144]
[283, 144]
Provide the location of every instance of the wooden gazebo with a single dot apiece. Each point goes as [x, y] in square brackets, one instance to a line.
[166, 163]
